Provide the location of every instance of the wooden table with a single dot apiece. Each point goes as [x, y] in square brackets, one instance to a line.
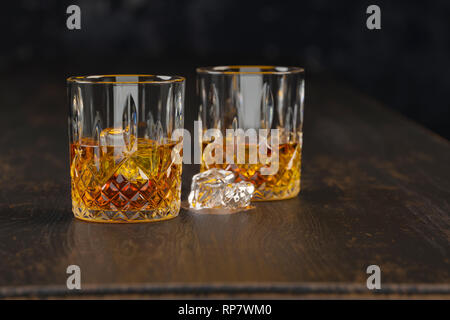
[375, 190]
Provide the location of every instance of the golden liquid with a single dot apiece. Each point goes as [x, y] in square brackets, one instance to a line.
[115, 184]
[283, 184]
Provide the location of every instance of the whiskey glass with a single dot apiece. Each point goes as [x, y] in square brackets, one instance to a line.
[125, 161]
[268, 99]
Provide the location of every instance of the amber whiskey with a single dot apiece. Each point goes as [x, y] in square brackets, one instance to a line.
[282, 184]
[119, 183]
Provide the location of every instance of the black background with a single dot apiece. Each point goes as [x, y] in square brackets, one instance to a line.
[405, 65]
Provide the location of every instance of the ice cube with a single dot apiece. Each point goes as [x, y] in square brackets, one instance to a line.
[112, 137]
[117, 138]
[216, 188]
[238, 195]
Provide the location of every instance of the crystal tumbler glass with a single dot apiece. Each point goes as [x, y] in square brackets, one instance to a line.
[256, 113]
[125, 162]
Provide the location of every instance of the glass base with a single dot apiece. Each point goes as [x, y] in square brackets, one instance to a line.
[107, 216]
[274, 194]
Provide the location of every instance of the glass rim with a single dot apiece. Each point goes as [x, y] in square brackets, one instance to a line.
[235, 69]
[94, 79]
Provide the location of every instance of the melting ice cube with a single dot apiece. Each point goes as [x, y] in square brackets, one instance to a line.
[216, 188]
[115, 137]
[112, 137]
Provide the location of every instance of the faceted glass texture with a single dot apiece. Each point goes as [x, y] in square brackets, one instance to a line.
[254, 98]
[121, 148]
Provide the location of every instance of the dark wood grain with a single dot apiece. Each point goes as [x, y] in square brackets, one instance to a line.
[375, 190]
